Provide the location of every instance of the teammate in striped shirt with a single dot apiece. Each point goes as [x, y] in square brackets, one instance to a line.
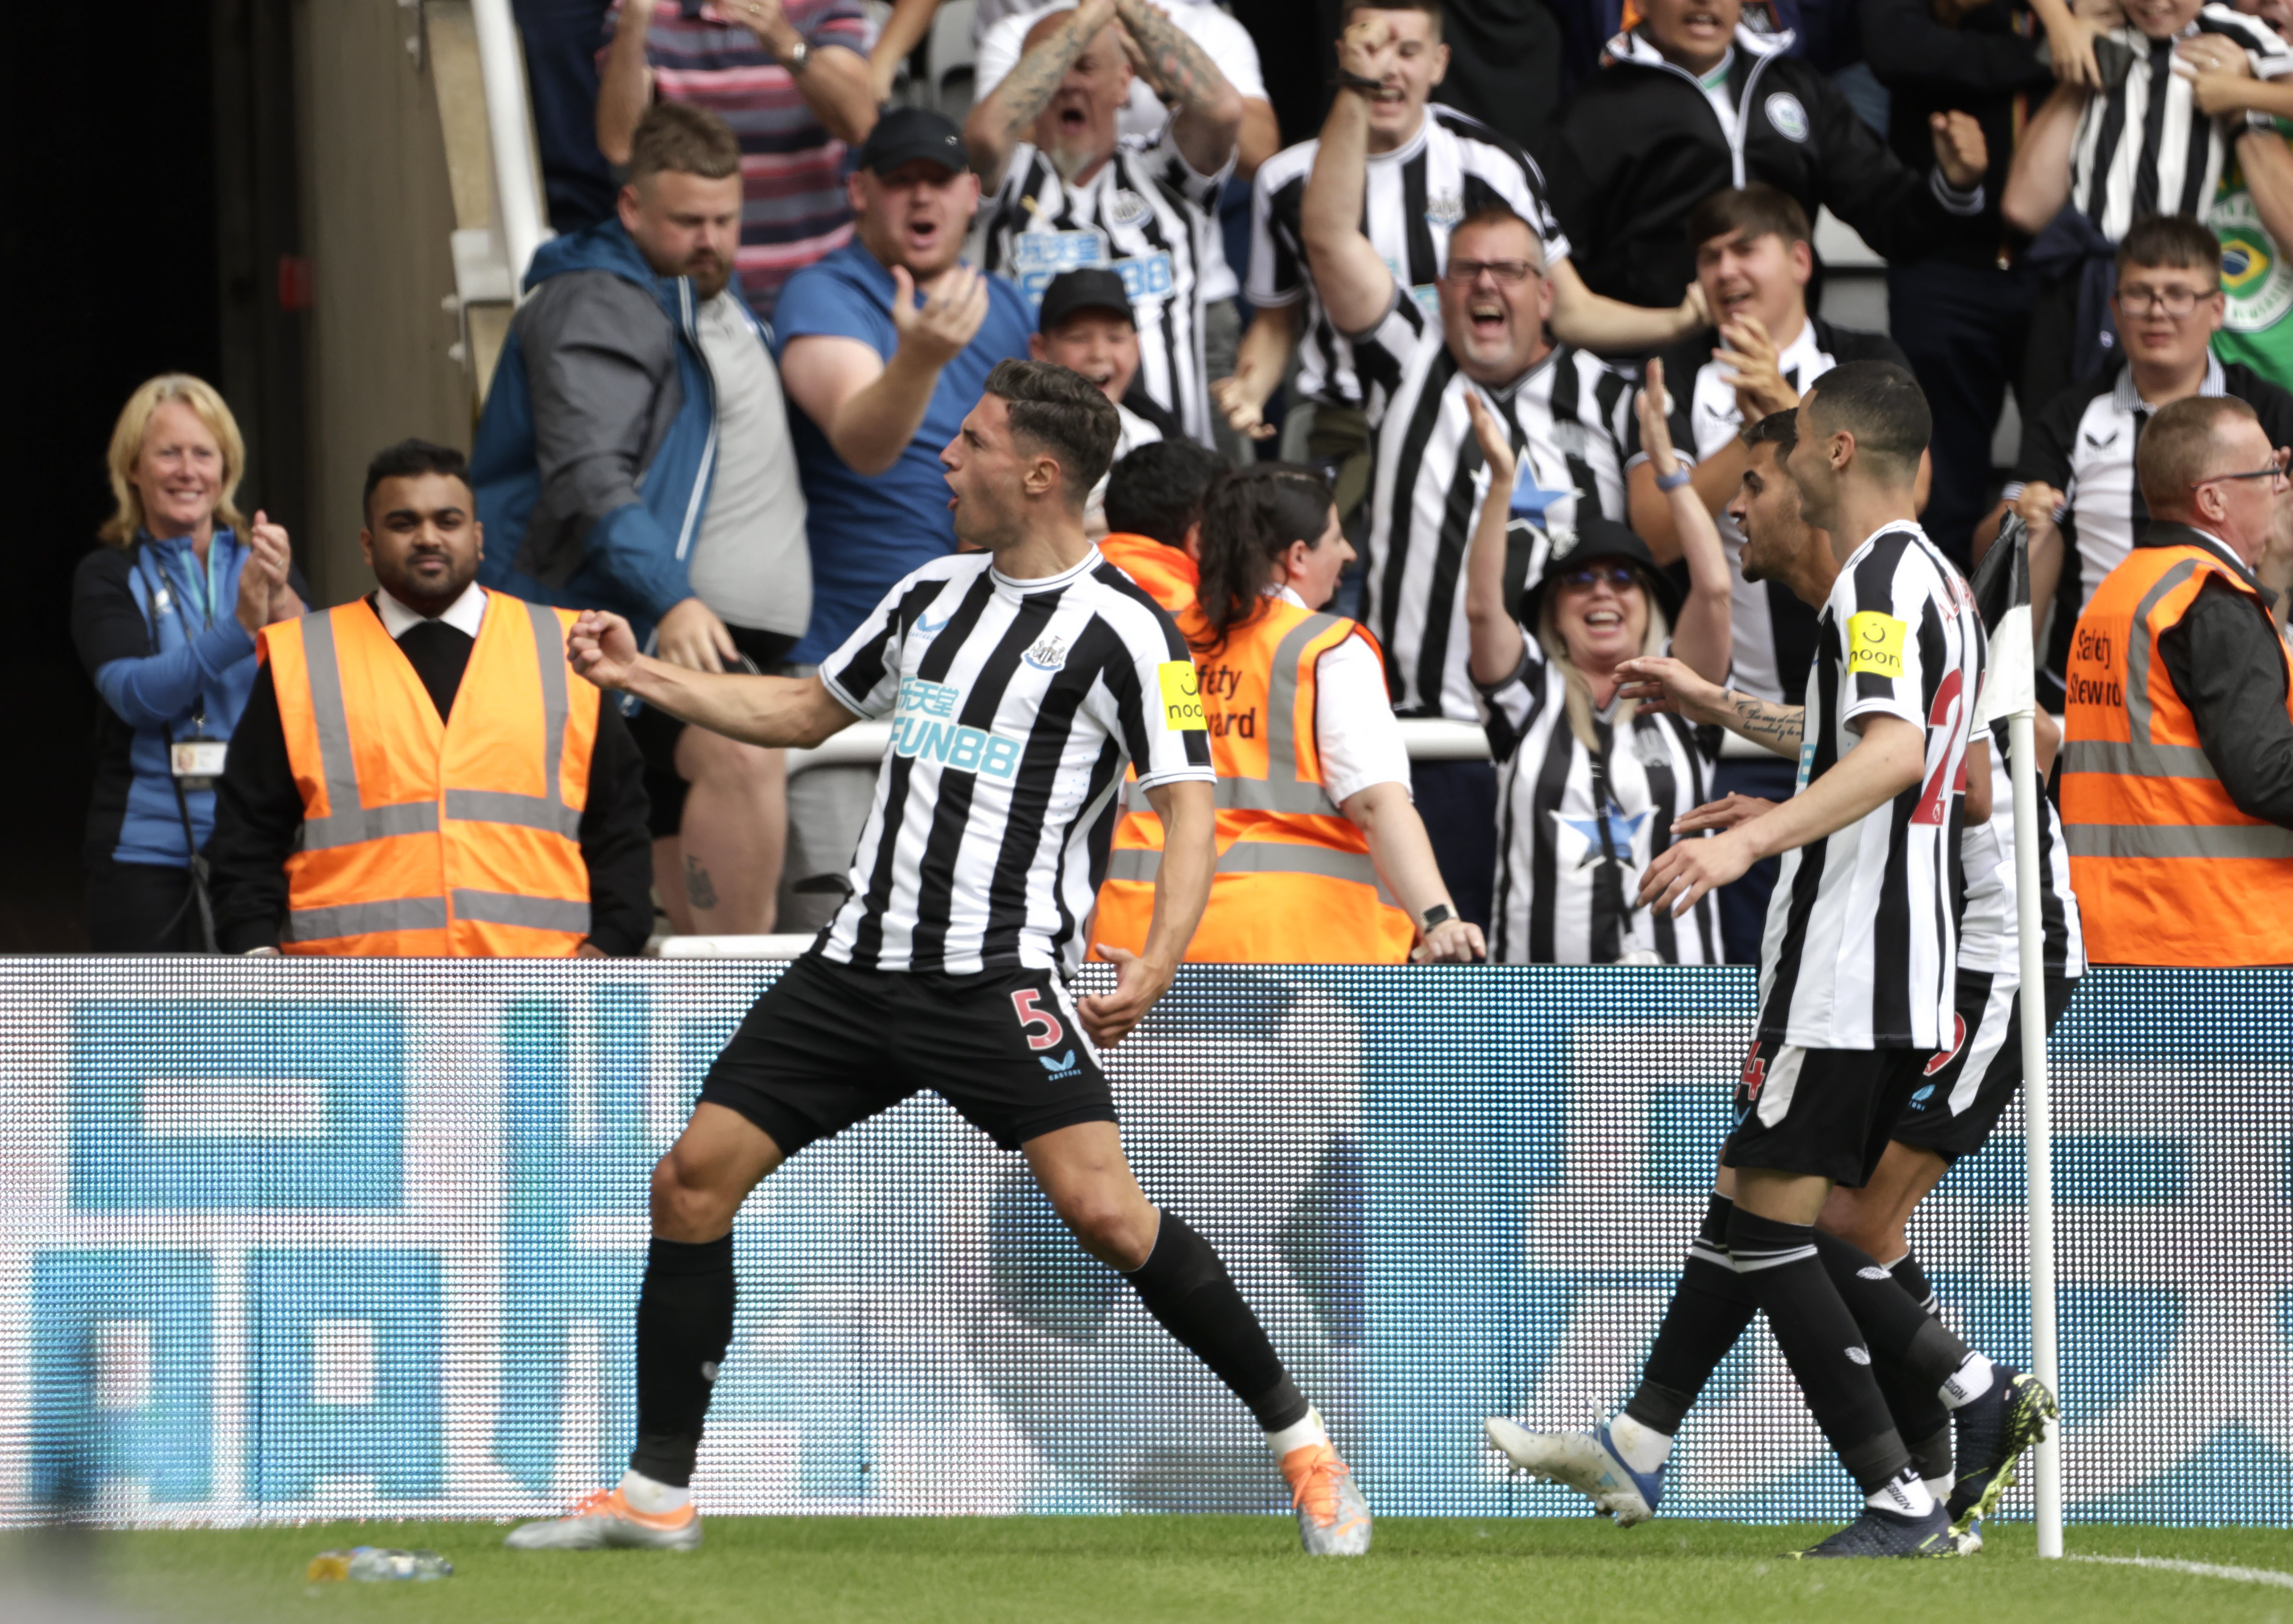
[1066, 192]
[1428, 166]
[1020, 679]
[1593, 786]
[1966, 1085]
[1857, 975]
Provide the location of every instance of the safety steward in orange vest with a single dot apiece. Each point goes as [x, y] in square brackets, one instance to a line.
[1322, 857]
[2177, 765]
[419, 825]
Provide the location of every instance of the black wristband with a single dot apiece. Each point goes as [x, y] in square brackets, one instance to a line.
[1342, 80]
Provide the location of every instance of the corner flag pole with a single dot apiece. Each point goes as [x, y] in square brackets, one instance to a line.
[2012, 691]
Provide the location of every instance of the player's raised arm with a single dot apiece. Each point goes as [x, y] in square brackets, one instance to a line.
[1494, 631]
[1182, 889]
[776, 711]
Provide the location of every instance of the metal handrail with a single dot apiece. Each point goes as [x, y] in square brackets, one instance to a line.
[501, 64]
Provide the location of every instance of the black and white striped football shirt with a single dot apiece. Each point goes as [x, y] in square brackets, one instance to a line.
[1412, 199]
[1576, 830]
[2143, 148]
[1015, 706]
[1145, 214]
[1565, 415]
[1990, 931]
[1862, 945]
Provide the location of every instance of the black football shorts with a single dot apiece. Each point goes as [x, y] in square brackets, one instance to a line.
[829, 1045]
[1963, 1091]
[1824, 1112]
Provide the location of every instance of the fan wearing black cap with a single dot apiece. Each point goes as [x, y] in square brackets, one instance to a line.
[1086, 325]
[1590, 784]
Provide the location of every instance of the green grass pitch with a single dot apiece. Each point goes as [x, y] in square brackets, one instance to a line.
[1113, 1570]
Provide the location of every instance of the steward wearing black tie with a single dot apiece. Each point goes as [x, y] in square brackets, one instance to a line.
[415, 772]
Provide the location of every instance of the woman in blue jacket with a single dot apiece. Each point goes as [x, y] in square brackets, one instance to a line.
[165, 616]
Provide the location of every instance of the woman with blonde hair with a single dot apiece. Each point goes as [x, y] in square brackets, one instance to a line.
[1590, 785]
[164, 615]
[1322, 856]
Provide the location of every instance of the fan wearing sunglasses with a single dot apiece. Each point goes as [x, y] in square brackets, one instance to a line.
[1590, 784]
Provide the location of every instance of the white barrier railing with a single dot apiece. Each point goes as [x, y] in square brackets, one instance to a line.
[517, 203]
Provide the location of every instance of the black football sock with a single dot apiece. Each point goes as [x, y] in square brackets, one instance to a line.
[1913, 1278]
[1896, 1329]
[1185, 1288]
[1821, 1342]
[684, 1324]
[1919, 1415]
[1710, 1309]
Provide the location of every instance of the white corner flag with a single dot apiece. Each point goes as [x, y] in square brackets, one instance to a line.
[2002, 595]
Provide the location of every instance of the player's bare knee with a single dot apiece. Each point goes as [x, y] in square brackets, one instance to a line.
[685, 1205]
[1112, 1226]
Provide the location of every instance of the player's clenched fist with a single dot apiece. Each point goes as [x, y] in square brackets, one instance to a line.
[602, 648]
[1961, 152]
[938, 329]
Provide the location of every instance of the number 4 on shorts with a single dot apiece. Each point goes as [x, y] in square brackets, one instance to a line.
[1041, 1027]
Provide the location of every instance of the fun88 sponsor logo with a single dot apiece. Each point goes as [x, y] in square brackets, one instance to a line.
[925, 727]
[1038, 256]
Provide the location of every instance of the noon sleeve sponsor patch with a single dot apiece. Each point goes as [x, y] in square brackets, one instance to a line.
[1874, 645]
[1182, 696]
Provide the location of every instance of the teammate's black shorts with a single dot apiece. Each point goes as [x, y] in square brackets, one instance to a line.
[829, 1045]
[1963, 1091]
[1825, 1111]
[656, 732]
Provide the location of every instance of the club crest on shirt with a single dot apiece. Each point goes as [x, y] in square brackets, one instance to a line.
[1446, 209]
[1787, 117]
[1048, 655]
[1126, 207]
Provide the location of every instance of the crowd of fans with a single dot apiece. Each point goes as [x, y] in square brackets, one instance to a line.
[1523, 358]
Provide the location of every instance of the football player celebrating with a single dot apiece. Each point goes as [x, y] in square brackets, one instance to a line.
[1858, 977]
[1020, 678]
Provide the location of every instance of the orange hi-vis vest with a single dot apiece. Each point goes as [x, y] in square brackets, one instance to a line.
[1171, 576]
[430, 839]
[1294, 884]
[2167, 870]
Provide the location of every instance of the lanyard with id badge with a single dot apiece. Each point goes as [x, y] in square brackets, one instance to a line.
[198, 762]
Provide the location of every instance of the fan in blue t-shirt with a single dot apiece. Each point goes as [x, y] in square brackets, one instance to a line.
[882, 376]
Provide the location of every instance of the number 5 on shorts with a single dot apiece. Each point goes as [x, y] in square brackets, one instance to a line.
[1032, 1017]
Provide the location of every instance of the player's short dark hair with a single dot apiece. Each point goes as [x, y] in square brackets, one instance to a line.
[677, 135]
[1157, 490]
[1882, 405]
[1757, 210]
[1432, 8]
[1063, 412]
[2173, 242]
[1776, 429]
[410, 459]
[2177, 448]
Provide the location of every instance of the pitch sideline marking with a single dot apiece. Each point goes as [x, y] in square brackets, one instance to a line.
[2203, 1569]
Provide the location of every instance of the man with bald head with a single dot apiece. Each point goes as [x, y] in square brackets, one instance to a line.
[1067, 192]
[2177, 775]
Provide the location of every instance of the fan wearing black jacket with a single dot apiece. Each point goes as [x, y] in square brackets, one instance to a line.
[1691, 103]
